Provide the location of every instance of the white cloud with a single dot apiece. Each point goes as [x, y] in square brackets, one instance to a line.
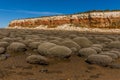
[30, 12]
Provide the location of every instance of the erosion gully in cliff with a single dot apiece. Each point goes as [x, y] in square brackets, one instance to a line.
[97, 19]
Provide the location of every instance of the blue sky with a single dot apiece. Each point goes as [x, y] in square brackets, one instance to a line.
[17, 9]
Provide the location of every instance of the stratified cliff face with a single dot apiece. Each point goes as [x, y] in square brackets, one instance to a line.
[89, 19]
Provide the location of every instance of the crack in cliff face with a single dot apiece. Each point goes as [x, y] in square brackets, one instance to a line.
[90, 19]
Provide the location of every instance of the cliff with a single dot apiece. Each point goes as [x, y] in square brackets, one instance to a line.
[100, 19]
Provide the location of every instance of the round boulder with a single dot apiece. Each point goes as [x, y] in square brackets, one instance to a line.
[34, 45]
[97, 45]
[4, 44]
[37, 59]
[112, 55]
[70, 44]
[98, 50]
[2, 50]
[103, 60]
[16, 47]
[55, 42]
[72, 36]
[3, 57]
[83, 42]
[115, 52]
[114, 44]
[59, 51]
[85, 52]
[44, 47]
[102, 39]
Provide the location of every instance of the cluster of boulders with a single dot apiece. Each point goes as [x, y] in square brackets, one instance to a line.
[93, 48]
[83, 47]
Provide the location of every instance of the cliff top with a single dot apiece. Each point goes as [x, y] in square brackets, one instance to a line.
[91, 11]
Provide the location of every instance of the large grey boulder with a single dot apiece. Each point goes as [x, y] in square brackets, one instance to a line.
[115, 52]
[44, 47]
[83, 42]
[34, 45]
[85, 52]
[4, 44]
[112, 55]
[114, 44]
[70, 44]
[59, 51]
[16, 47]
[103, 60]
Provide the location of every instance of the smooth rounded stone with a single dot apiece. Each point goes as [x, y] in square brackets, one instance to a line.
[83, 42]
[37, 59]
[7, 39]
[112, 55]
[36, 39]
[4, 33]
[55, 42]
[113, 38]
[59, 51]
[55, 38]
[91, 38]
[14, 39]
[17, 39]
[4, 44]
[97, 49]
[3, 57]
[106, 49]
[114, 44]
[2, 50]
[26, 42]
[85, 52]
[97, 45]
[74, 50]
[115, 52]
[118, 37]
[16, 47]
[43, 39]
[72, 36]
[44, 47]
[103, 60]
[114, 65]
[70, 44]
[103, 39]
[34, 45]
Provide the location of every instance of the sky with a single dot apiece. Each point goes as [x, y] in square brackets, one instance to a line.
[17, 9]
